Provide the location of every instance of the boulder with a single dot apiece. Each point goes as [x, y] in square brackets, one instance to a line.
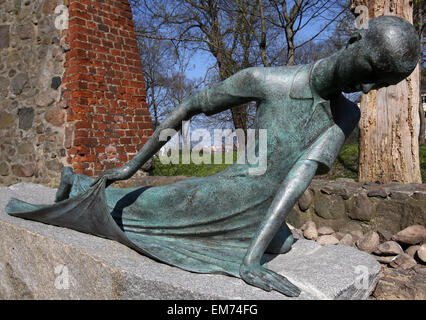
[329, 207]
[310, 230]
[325, 231]
[363, 208]
[412, 250]
[377, 192]
[339, 235]
[389, 248]
[356, 234]
[384, 235]
[421, 253]
[327, 240]
[384, 259]
[369, 242]
[347, 240]
[305, 200]
[411, 235]
[403, 261]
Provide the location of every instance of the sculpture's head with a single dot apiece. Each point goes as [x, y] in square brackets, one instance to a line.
[383, 54]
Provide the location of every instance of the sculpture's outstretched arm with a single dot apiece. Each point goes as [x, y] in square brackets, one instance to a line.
[251, 271]
[238, 89]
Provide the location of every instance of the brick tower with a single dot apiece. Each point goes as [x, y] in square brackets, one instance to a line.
[107, 119]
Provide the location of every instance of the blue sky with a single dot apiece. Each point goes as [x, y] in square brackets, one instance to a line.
[203, 60]
[200, 63]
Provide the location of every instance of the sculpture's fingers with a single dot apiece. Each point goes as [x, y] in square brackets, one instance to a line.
[256, 280]
[282, 285]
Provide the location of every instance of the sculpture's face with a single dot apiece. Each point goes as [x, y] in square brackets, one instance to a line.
[358, 70]
[383, 55]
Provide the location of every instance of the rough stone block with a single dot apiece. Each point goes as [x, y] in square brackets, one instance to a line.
[4, 36]
[19, 83]
[6, 120]
[39, 261]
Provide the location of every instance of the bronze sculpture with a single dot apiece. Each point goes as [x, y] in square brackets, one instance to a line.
[226, 222]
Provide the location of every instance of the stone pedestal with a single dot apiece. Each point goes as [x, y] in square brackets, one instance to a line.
[39, 261]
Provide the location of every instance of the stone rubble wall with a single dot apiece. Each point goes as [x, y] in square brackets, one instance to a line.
[345, 205]
[32, 59]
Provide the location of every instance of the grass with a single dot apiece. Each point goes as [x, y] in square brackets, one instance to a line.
[346, 166]
[192, 169]
[423, 162]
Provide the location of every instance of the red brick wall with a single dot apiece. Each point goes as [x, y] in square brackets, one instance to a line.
[107, 118]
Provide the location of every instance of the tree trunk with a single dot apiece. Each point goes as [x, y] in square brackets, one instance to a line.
[291, 51]
[389, 125]
[226, 66]
[419, 24]
[422, 140]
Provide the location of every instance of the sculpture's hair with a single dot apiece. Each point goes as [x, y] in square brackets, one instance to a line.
[394, 43]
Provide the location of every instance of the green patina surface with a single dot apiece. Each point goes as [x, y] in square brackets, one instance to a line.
[225, 222]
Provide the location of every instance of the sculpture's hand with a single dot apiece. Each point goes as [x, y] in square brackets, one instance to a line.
[267, 280]
[115, 174]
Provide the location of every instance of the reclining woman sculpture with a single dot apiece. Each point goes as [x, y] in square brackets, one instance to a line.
[226, 222]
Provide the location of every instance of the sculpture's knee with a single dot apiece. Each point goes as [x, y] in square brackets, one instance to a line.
[72, 184]
[65, 184]
[282, 241]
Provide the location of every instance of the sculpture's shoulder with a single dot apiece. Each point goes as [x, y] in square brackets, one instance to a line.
[275, 73]
[271, 79]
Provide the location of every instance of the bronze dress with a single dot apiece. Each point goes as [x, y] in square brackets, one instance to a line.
[206, 225]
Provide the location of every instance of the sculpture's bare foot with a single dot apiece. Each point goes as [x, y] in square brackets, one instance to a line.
[267, 280]
[65, 185]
